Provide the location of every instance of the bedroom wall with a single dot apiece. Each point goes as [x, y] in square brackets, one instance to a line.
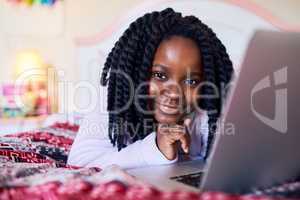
[54, 39]
[81, 18]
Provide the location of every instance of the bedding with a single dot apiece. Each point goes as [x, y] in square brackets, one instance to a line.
[33, 166]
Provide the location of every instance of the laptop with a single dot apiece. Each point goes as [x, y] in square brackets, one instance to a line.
[263, 148]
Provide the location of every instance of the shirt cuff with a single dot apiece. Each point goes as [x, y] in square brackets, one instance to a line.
[151, 153]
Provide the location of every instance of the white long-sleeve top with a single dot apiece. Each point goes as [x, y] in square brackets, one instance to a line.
[92, 146]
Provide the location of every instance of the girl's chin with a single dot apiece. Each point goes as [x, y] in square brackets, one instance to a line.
[166, 119]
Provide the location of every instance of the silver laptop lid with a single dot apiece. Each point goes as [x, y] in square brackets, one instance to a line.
[264, 148]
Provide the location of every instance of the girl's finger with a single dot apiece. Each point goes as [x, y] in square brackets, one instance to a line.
[163, 129]
[187, 122]
[185, 141]
[177, 128]
[184, 127]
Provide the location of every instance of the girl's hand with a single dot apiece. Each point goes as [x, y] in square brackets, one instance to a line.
[170, 136]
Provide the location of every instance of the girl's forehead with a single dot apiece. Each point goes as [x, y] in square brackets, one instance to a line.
[178, 54]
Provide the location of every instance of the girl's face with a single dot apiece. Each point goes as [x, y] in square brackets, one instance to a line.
[176, 75]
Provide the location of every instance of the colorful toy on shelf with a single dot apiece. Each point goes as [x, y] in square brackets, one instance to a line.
[24, 100]
[48, 2]
[34, 2]
[9, 107]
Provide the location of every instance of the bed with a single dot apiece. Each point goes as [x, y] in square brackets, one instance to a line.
[33, 166]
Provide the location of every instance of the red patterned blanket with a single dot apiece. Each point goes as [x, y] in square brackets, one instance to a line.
[33, 166]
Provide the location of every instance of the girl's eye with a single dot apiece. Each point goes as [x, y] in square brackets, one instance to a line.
[159, 75]
[191, 82]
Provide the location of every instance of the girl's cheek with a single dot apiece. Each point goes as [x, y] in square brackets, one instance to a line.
[196, 98]
[191, 98]
[153, 88]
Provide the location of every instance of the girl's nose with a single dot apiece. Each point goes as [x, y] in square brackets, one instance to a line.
[172, 90]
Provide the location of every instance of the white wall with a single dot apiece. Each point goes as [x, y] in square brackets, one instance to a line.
[53, 38]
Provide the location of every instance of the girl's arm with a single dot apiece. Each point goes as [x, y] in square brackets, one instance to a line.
[92, 147]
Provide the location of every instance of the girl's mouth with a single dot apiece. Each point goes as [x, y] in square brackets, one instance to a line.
[168, 109]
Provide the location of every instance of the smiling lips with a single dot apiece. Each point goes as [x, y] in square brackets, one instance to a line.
[168, 109]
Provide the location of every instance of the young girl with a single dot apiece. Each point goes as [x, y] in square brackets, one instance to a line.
[166, 77]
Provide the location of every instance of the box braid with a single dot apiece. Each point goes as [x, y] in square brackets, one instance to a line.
[133, 54]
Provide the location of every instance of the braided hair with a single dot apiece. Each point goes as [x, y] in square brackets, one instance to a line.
[133, 54]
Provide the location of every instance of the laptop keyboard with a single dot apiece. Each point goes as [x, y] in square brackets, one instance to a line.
[189, 179]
